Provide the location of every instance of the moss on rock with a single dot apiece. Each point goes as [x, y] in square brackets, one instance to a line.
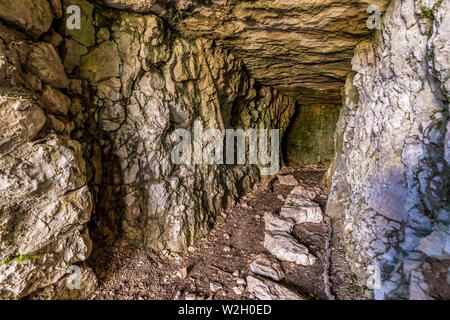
[310, 139]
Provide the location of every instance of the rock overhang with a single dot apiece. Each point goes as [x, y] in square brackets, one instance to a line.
[301, 48]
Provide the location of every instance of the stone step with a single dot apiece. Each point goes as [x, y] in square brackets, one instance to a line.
[264, 289]
[302, 214]
[285, 248]
[273, 223]
[263, 266]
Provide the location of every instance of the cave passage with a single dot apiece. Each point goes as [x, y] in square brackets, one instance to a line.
[232, 262]
[99, 99]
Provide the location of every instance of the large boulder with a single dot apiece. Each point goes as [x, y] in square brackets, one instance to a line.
[45, 63]
[44, 210]
[34, 17]
[101, 63]
[390, 187]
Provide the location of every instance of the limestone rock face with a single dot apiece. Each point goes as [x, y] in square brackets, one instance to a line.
[45, 202]
[302, 48]
[148, 6]
[101, 63]
[285, 248]
[78, 285]
[264, 267]
[310, 139]
[391, 180]
[167, 83]
[44, 62]
[19, 123]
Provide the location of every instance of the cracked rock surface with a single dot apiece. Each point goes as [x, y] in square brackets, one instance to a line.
[391, 175]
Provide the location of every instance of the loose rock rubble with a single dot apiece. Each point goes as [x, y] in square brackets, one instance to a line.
[278, 241]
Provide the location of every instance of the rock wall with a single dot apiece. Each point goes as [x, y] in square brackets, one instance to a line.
[45, 203]
[310, 138]
[86, 121]
[148, 81]
[391, 180]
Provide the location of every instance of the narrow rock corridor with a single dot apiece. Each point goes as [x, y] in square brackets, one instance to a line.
[225, 149]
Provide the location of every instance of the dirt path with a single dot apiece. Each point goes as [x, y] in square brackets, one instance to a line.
[218, 266]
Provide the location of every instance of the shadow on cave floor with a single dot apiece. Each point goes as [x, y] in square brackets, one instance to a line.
[217, 267]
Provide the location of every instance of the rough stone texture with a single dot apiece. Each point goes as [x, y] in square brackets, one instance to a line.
[263, 266]
[306, 212]
[310, 138]
[18, 125]
[391, 175]
[45, 203]
[86, 35]
[274, 223]
[55, 101]
[166, 82]
[302, 48]
[301, 210]
[101, 63]
[301, 191]
[148, 6]
[267, 290]
[65, 288]
[287, 180]
[44, 62]
[285, 248]
[32, 16]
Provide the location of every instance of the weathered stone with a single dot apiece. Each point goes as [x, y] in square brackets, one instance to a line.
[103, 34]
[56, 8]
[44, 62]
[268, 290]
[388, 184]
[302, 48]
[214, 287]
[72, 53]
[274, 223]
[53, 37]
[110, 89]
[285, 248]
[58, 125]
[47, 202]
[436, 245]
[67, 287]
[302, 192]
[32, 82]
[171, 81]
[153, 6]
[264, 267]
[20, 121]
[311, 136]
[101, 63]
[287, 180]
[32, 16]
[55, 101]
[86, 34]
[301, 210]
